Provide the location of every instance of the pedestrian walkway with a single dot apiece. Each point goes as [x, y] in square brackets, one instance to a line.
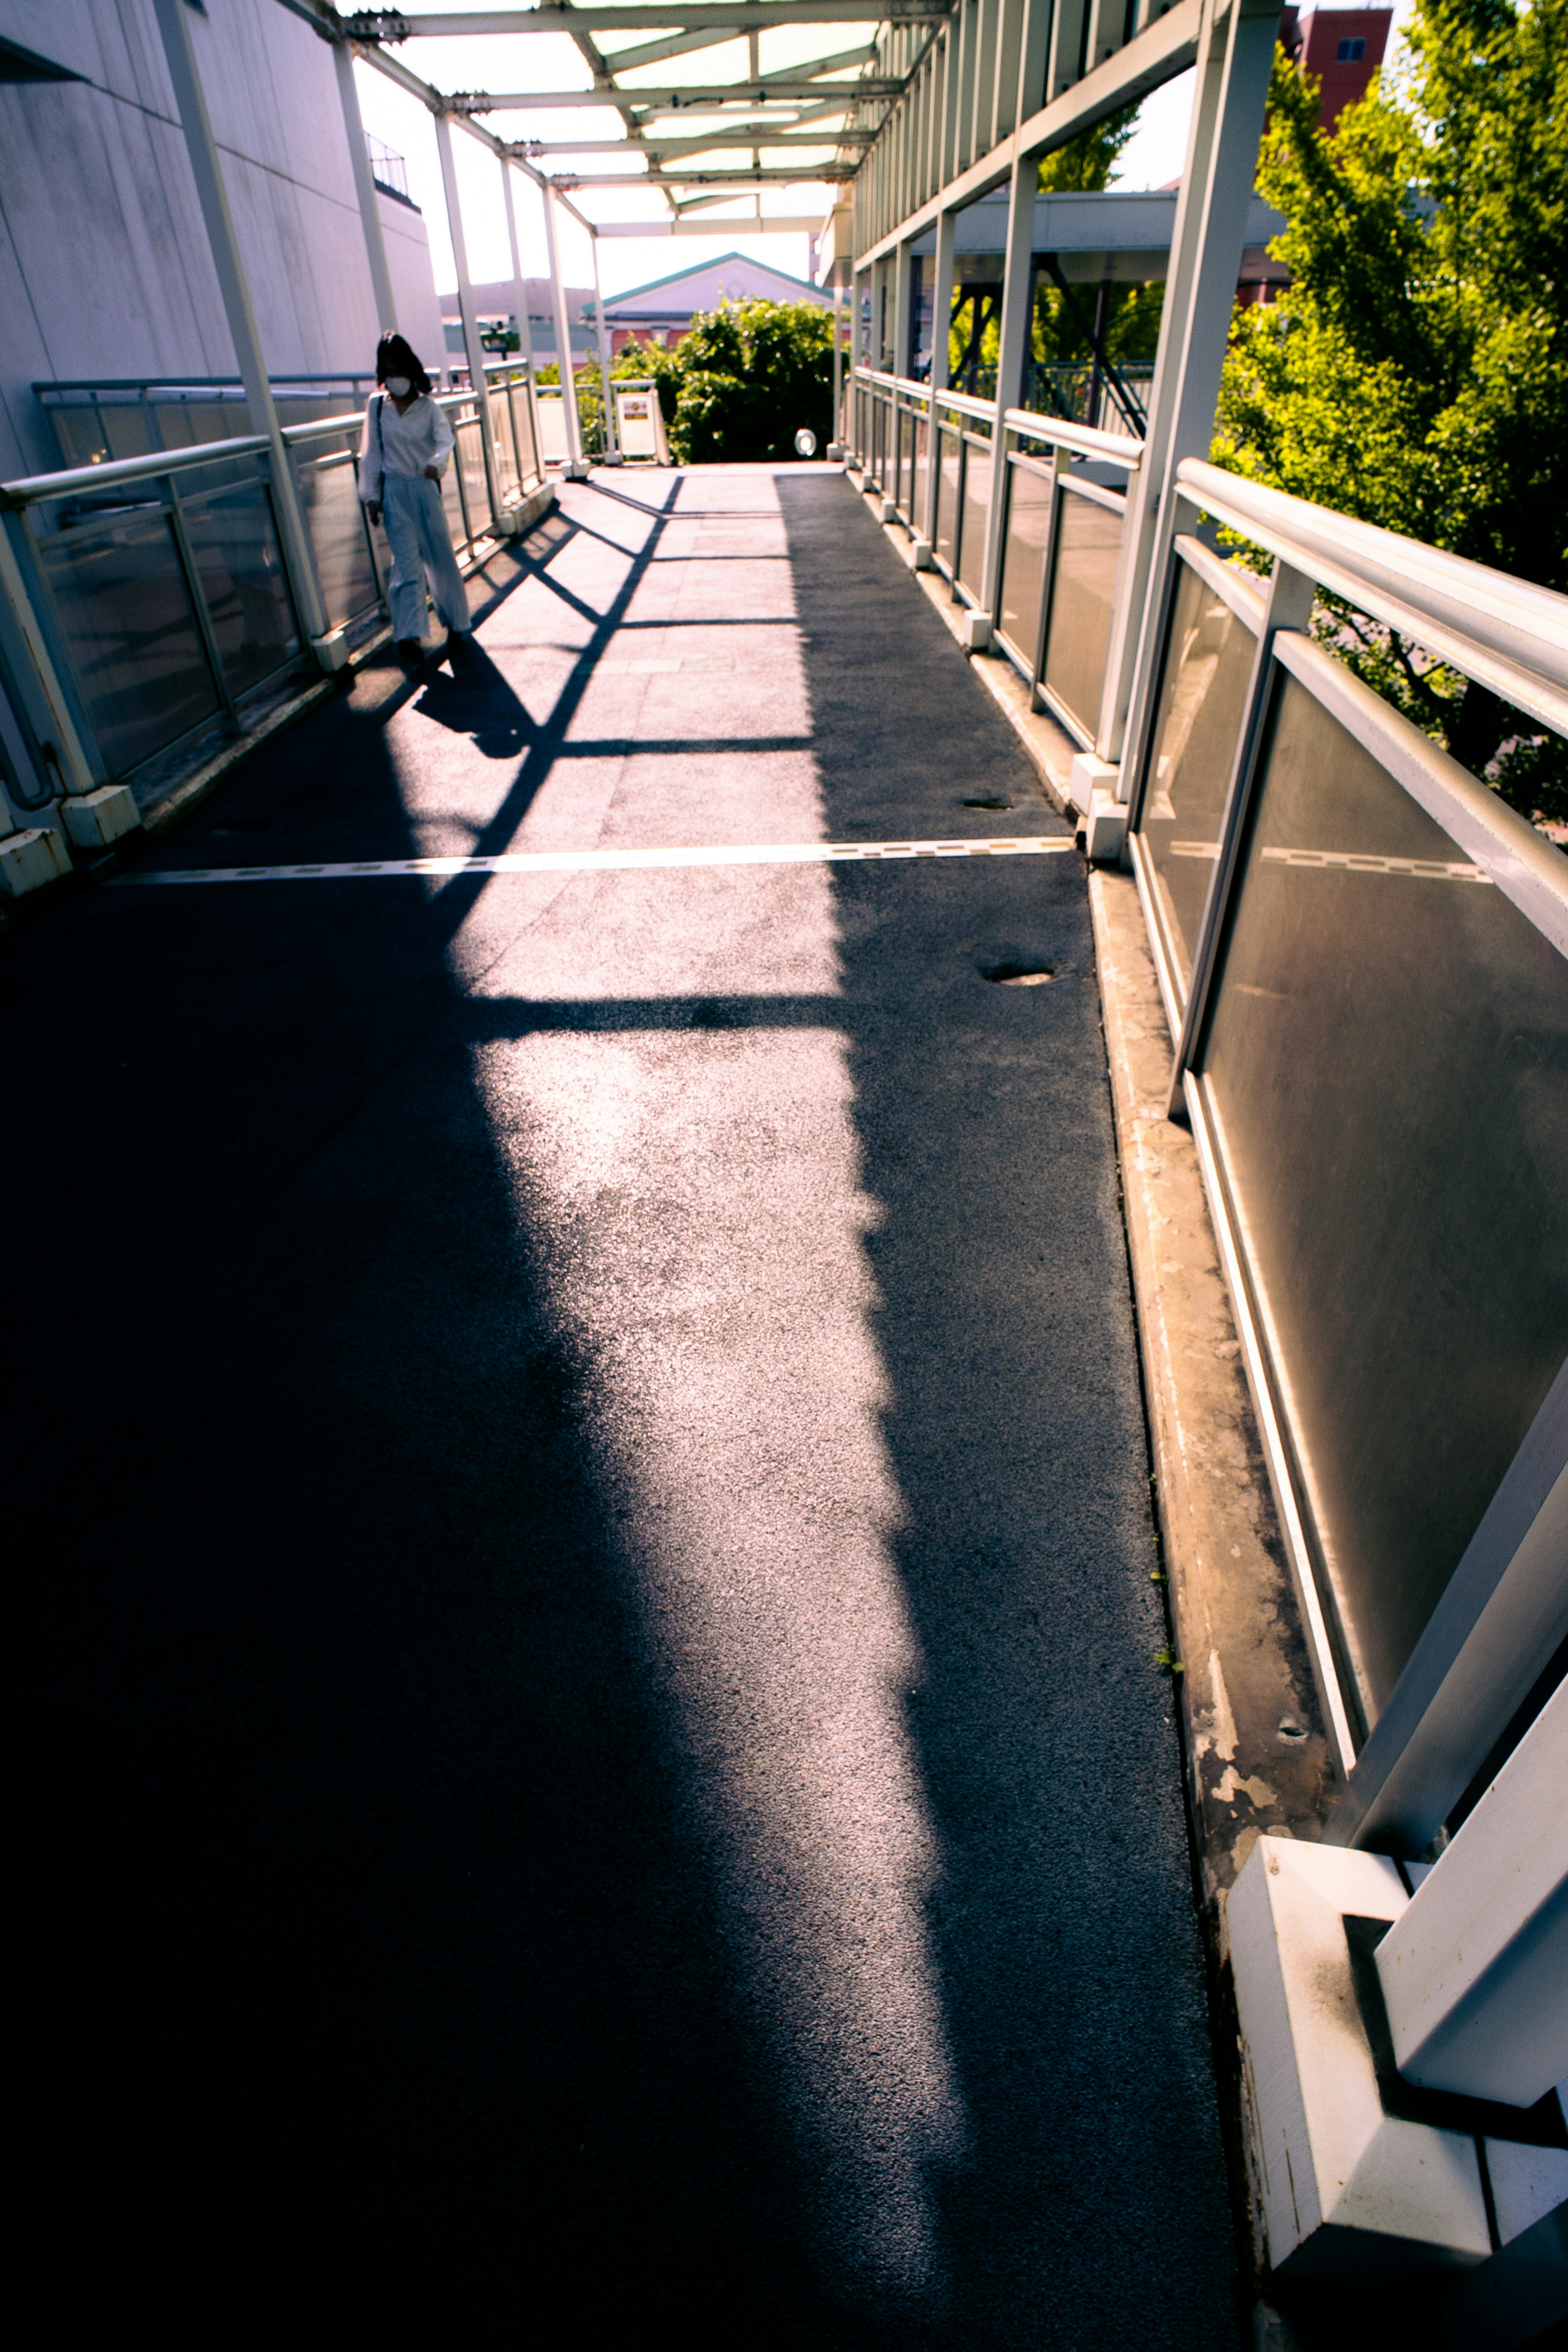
[590, 1661]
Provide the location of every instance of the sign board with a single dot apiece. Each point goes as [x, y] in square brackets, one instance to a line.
[553, 449]
[640, 424]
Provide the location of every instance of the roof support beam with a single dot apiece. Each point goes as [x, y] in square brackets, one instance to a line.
[789, 89]
[689, 15]
[1163, 50]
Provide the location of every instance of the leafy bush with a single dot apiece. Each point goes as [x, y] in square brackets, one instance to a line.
[744, 381]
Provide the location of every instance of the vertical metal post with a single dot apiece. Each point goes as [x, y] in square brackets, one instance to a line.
[518, 282]
[837, 365]
[941, 314]
[903, 279]
[1235, 59]
[364, 189]
[1011, 347]
[612, 438]
[575, 467]
[524, 334]
[175, 25]
[471, 343]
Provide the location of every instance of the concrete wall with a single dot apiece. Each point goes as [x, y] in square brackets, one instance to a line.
[104, 267]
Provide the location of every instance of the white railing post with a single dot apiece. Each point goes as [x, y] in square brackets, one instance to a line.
[1011, 347]
[940, 316]
[471, 343]
[364, 189]
[1475, 1971]
[576, 468]
[175, 25]
[1236, 56]
[612, 440]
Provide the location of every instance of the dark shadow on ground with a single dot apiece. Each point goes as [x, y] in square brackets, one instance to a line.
[373, 1982]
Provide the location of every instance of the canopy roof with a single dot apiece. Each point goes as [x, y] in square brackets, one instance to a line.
[776, 100]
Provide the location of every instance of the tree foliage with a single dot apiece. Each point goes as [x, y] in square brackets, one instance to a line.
[743, 382]
[1414, 372]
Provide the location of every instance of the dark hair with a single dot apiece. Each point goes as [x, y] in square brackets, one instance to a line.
[395, 357]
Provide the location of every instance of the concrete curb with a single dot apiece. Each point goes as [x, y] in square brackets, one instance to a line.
[1257, 1755]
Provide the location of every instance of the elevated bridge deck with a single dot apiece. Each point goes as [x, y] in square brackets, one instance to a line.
[591, 1654]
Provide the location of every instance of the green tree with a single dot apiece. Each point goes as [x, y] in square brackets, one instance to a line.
[1414, 372]
[746, 379]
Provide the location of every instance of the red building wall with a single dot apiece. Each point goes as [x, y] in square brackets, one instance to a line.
[1325, 42]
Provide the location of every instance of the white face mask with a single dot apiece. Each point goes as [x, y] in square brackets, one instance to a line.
[399, 386]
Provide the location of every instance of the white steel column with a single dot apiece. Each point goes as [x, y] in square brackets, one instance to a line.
[519, 281]
[471, 343]
[903, 286]
[1236, 56]
[941, 331]
[1012, 345]
[1475, 1972]
[612, 439]
[837, 444]
[364, 188]
[575, 467]
[174, 24]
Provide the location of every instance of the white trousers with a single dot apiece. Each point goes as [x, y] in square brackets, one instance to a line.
[416, 523]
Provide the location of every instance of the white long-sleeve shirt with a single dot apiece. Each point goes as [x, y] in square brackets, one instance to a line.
[405, 444]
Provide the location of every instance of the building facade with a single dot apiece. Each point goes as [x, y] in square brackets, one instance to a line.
[105, 270]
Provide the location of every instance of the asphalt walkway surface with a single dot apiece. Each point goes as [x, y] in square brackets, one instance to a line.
[585, 1654]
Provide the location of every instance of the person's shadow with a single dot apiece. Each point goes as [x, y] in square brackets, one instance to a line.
[471, 698]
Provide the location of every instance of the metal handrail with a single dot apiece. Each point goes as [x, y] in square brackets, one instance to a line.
[1084, 440]
[34, 487]
[1507, 633]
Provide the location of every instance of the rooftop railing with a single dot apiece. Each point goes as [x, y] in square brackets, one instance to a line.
[1362, 952]
[150, 598]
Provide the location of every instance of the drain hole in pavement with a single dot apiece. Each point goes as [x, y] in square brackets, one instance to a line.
[990, 804]
[1018, 975]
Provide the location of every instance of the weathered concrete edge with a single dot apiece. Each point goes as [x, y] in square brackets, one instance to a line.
[191, 791]
[1257, 1755]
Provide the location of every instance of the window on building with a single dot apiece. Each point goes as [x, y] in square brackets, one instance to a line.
[1349, 53]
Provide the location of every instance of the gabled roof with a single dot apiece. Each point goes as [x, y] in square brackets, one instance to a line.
[694, 276]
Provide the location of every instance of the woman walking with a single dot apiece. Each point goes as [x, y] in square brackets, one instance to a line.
[406, 444]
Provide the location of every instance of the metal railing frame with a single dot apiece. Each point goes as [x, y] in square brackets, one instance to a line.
[55, 736]
[1505, 1610]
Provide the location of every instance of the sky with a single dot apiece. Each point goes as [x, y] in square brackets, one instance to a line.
[1152, 159]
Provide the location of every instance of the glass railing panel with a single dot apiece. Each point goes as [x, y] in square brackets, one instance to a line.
[452, 499]
[471, 456]
[1083, 592]
[1383, 1067]
[233, 545]
[950, 450]
[125, 614]
[976, 508]
[500, 433]
[1024, 561]
[329, 489]
[920, 471]
[530, 465]
[1203, 701]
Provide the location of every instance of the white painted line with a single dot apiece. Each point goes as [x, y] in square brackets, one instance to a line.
[615, 861]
